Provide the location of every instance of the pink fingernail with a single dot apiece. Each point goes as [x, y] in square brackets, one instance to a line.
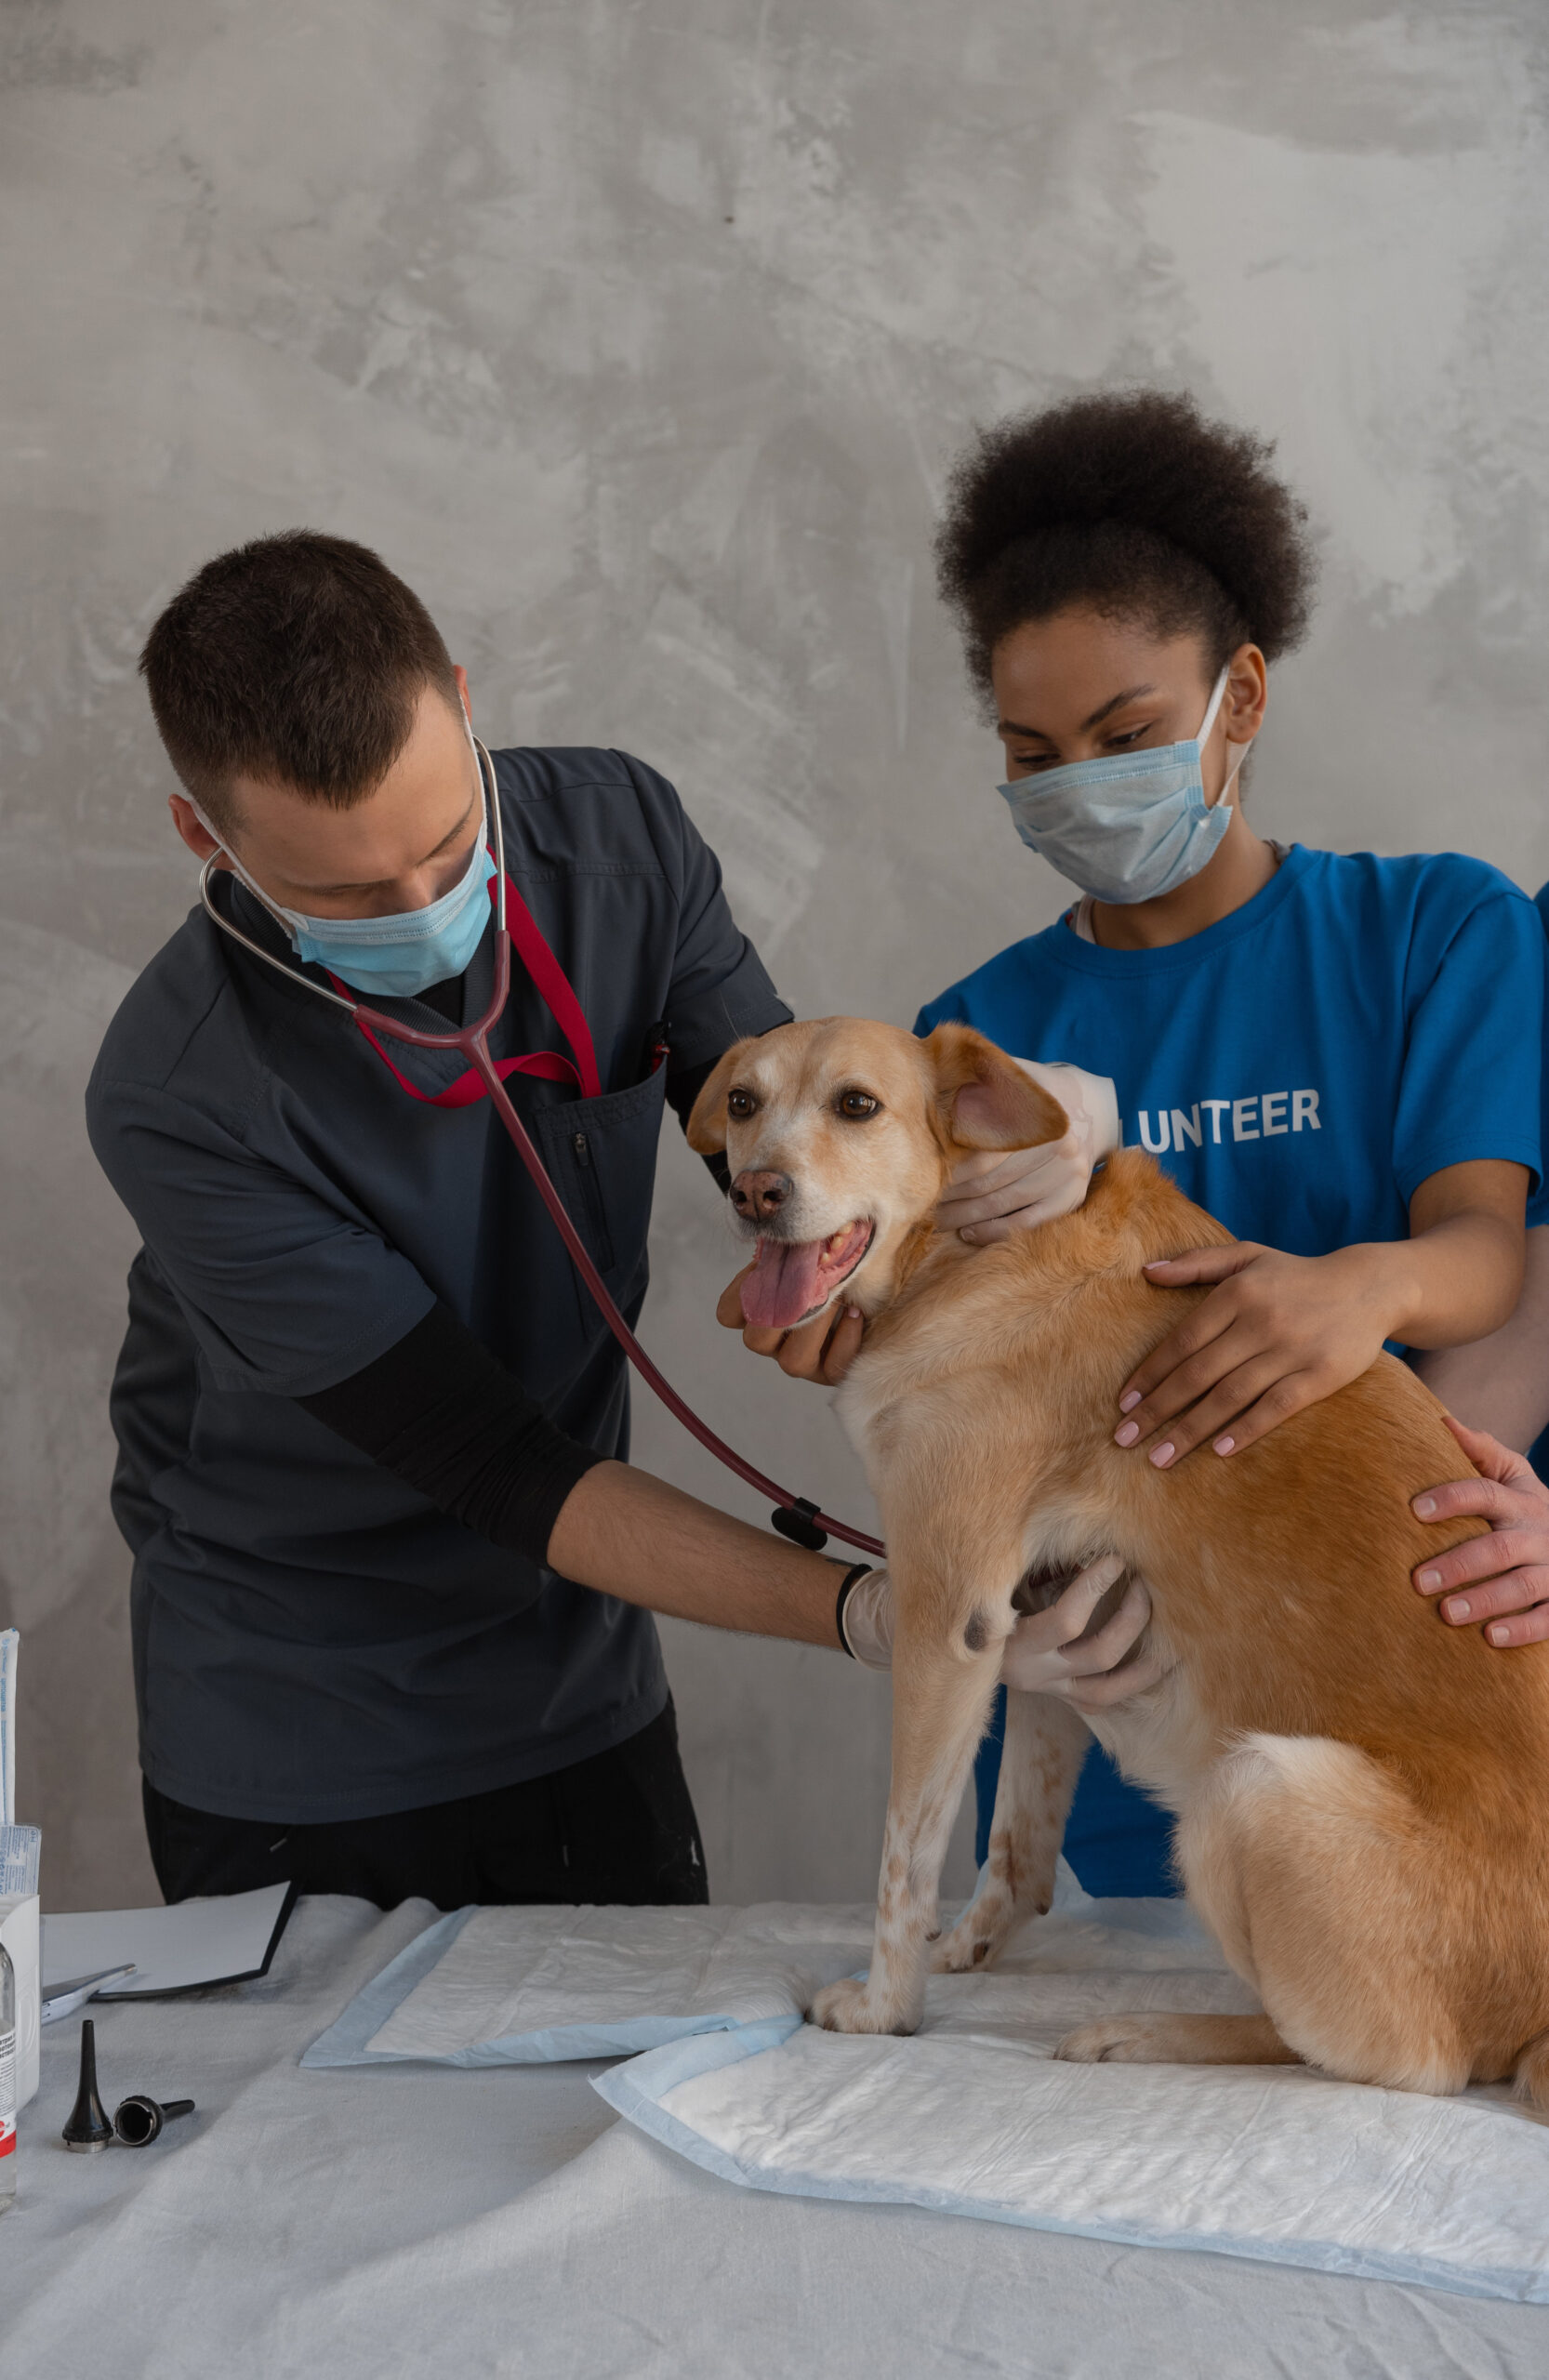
[1162, 1456]
[1129, 1399]
[1498, 1635]
[1424, 1506]
[853, 1314]
[1224, 1446]
[1459, 1608]
[1126, 1434]
[1431, 1579]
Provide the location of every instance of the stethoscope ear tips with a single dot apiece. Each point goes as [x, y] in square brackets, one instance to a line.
[138, 2121]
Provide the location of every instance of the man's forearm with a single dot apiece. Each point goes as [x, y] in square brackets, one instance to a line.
[632, 1536]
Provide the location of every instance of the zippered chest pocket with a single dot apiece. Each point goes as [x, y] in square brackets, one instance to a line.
[583, 1198]
[602, 1158]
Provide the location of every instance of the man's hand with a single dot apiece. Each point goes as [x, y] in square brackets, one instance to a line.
[821, 1351]
[1507, 1572]
[1047, 1652]
[1279, 1333]
[992, 1195]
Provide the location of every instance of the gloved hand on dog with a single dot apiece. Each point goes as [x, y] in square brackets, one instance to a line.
[992, 1193]
[1048, 1652]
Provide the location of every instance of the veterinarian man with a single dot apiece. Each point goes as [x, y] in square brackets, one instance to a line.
[392, 1572]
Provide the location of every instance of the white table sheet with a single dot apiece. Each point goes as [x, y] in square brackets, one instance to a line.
[417, 2219]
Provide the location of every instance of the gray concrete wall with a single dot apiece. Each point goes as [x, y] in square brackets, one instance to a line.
[637, 337]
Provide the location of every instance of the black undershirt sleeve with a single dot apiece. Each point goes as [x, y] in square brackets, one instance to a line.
[444, 1414]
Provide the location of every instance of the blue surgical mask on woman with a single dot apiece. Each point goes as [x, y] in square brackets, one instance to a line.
[393, 956]
[1133, 825]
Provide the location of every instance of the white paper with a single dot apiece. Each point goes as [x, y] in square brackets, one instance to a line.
[171, 1949]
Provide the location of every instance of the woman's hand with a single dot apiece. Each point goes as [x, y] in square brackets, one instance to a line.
[1048, 1652]
[992, 1193]
[1507, 1572]
[1278, 1333]
[821, 1351]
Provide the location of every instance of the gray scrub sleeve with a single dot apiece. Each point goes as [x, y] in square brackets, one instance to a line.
[284, 1287]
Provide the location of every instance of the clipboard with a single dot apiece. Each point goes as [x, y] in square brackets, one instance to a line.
[191, 1946]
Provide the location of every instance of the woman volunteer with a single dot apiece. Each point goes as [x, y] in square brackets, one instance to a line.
[1296, 1035]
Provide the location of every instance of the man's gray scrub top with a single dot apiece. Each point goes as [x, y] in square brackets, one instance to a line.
[312, 1639]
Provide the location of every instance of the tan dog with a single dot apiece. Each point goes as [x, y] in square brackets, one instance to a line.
[1362, 1791]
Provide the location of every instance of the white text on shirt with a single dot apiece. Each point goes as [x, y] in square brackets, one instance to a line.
[1263, 1116]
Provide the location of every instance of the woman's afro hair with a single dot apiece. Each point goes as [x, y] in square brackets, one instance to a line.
[1133, 504]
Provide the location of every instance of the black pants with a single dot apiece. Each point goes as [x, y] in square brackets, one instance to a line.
[619, 1826]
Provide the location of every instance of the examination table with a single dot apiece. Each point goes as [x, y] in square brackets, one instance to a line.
[426, 2219]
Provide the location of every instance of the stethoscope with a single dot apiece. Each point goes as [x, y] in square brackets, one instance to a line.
[795, 1518]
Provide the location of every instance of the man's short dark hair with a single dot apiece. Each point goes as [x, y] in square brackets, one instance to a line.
[299, 659]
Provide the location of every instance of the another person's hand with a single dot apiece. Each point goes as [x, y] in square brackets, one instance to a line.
[1048, 1652]
[992, 1195]
[1051, 1652]
[1507, 1572]
[821, 1351]
[1276, 1333]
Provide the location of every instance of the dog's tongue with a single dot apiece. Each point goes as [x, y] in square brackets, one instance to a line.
[784, 1283]
[789, 1277]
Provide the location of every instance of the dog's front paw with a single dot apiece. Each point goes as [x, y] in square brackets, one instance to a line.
[847, 2007]
[1117, 2041]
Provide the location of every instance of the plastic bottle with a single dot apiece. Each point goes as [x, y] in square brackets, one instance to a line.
[8, 2080]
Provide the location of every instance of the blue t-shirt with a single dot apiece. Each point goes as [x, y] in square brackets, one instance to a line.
[1302, 1065]
[1299, 1068]
[1538, 1204]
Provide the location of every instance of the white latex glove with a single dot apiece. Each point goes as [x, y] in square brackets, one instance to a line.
[1049, 1652]
[1046, 1652]
[993, 1192]
[865, 1622]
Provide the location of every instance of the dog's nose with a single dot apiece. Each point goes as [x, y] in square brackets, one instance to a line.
[756, 1196]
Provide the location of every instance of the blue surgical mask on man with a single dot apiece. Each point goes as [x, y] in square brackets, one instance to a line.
[1131, 827]
[393, 956]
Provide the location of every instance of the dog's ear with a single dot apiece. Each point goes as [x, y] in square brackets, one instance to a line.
[983, 1100]
[706, 1132]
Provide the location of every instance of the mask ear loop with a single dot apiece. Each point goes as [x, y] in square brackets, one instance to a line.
[1225, 797]
[284, 918]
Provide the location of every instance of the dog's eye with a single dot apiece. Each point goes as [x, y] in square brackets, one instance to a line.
[740, 1104]
[857, 1105]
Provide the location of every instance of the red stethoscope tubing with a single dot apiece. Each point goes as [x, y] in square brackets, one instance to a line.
[472, 1044]
[796, 1516]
